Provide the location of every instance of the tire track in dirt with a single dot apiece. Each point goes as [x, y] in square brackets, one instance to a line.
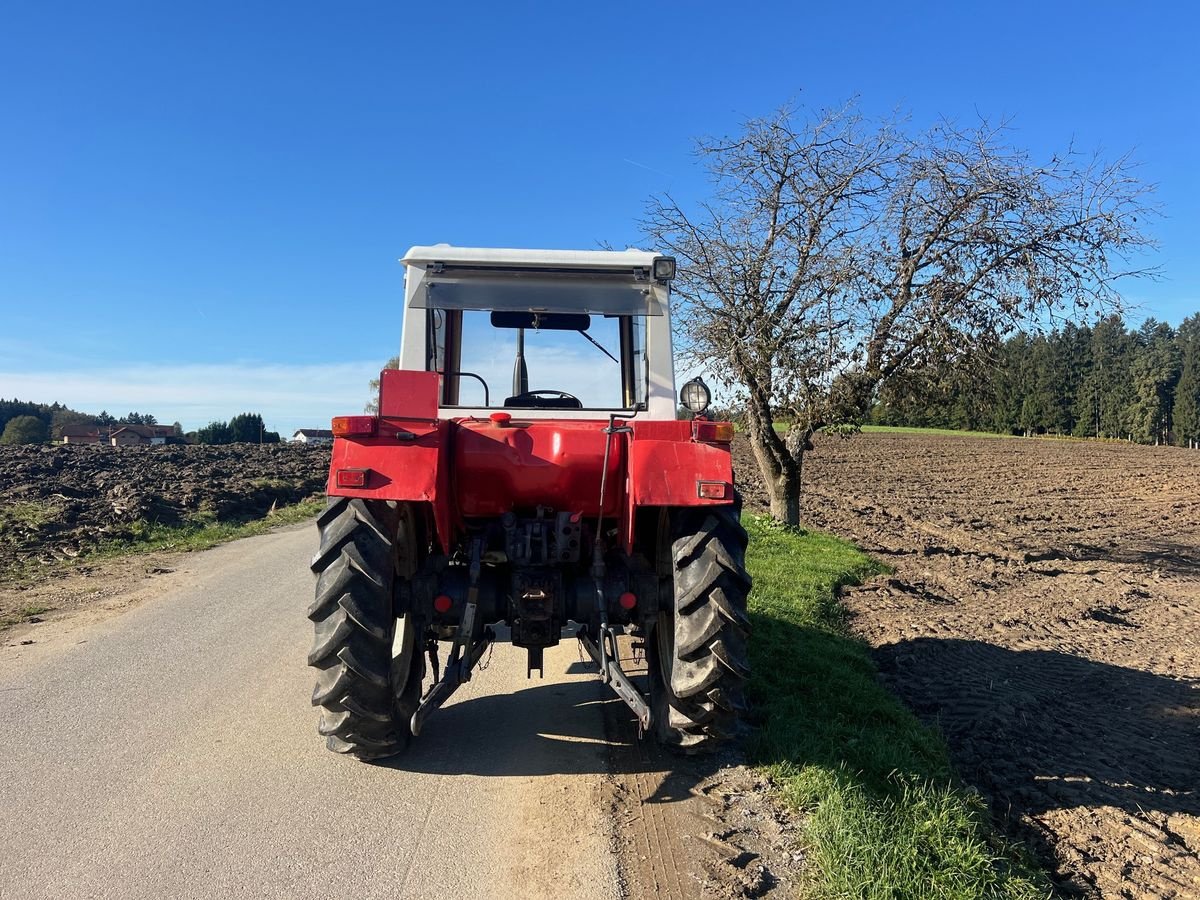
[1044, 614]
[702, 827]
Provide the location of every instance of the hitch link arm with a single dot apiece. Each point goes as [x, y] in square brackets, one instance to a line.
[609, 663]
[450, 682]
[598, 567]
[465, 652]
[612, 675]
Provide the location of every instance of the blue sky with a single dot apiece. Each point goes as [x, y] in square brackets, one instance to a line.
[201, 205]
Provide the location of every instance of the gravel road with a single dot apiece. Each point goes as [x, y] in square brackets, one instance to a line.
[170, 751]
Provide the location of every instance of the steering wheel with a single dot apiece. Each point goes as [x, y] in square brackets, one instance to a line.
[548, 394]
[561, 395]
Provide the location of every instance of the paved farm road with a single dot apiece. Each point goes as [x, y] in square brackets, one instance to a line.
[171, 751]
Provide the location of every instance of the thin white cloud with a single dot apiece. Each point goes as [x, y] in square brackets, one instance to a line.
[303, 396]
[287, 396]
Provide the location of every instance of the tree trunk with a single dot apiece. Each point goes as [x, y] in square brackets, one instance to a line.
[785, 497]
[781, 470]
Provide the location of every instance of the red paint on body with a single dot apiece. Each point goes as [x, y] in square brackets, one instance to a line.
[473, 468]
[525, 464]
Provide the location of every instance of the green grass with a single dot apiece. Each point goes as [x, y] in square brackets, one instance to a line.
[952, 432]
[782, 427]
[198, 533]
[23, 614]
[203, 531]
[897, 429]
[883, 815]
[28, 513]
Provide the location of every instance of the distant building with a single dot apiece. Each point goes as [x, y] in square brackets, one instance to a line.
[120, 435]
[85, 434]
[313, 436]
[141, 435]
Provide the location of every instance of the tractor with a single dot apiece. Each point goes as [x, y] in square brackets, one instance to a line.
[468, 508]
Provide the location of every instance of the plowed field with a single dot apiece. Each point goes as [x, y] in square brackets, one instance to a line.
[1044, 614]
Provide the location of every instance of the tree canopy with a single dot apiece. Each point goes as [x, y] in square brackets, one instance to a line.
[24, 430]
[835, 254]
[244, 428]
[1102, 380]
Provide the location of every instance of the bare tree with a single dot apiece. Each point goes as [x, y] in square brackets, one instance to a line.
[372, 405]
[837, 253]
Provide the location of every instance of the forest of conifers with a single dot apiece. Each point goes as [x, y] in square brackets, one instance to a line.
[1105, 380]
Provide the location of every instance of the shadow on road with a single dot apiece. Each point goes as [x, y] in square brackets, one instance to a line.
[562, 728]
[550, 729]
[580, 727]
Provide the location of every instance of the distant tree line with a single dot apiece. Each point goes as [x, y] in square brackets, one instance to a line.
[51, 418]
[1104, 380]
[244, 428]
[22, 422]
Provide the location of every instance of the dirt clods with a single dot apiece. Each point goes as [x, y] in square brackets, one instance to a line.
[60, 501]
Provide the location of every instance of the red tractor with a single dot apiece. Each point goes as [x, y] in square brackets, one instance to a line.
[461, 514]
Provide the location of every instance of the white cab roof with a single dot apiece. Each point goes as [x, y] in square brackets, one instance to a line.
[584, 259]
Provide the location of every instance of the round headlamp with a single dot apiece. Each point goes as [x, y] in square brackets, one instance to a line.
[695, 395]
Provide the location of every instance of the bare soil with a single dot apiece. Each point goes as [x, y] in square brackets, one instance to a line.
[58, 502]
[1044, 614]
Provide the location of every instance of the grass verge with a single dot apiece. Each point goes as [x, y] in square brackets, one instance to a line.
[948, 432]
[26, 613]
[203, 531]
[883, 815]
[198, 533]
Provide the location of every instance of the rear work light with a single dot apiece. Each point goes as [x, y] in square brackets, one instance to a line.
[352, 478]
[664, 268]
[354, 426]
[712, 432]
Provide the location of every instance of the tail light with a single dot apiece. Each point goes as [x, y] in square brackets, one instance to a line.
[352, 478]
[354, 426]
[712, 432]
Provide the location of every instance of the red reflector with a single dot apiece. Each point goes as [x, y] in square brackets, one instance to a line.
[712, 490]
[627, 600]
[347, 426]
[352, 477]
[501, 419]
[712, 432]
[442, 603]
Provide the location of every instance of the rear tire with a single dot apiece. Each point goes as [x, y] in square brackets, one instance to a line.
[368, 662]
[698, 654]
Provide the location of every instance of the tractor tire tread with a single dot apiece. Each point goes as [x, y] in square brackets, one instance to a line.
[706, 693]
[352, 623]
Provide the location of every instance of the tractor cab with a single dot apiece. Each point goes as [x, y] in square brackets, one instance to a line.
[546, 333]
